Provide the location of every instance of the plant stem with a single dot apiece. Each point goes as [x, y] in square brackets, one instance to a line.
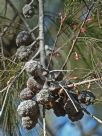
[41, 33]
[85, 82]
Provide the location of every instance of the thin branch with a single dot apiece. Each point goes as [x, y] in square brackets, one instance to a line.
[71, 85]
[85, 82]
[90, 38]
[44, 122]
[2, 52]
[92, 116]
[35, 28]
[52, 71]
[69, 97]
[41, 33]
[5, 100]
[58, 33]
[86, 4]
[4, 89]
[42, 49]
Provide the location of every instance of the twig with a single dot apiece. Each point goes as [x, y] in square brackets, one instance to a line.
[2, 52]
[9, 61]
[44, 122]
[52, 71]
[55, 44]
[98, 18]
[42, 49]
[86, 4]
[71, 85]
[41, 33]
[69, 97]
[33, 43]
[85, 82]
[5, 99]
[5, 8]
[90, 38]
[32, 30]
[97, 100]
[92, 116]
[4, 89]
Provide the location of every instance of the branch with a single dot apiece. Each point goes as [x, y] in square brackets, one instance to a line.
[60, 28]
[92, 116]
[2, 52]
[42, 49]
[85, 82]
[44, 122]
[69, 97]
[41, 33]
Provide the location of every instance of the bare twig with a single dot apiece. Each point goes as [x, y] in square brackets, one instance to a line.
[32, 30]
[44, 122]
[69, 97]
[4, 89]
[41, 33]
[5, 99]
[52, 71]
[55, 44]
[86, 4]
[42, 49]
[2, 52]
[85, 82]
[92, 116]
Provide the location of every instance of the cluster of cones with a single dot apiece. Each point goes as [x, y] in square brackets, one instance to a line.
[53, 94]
